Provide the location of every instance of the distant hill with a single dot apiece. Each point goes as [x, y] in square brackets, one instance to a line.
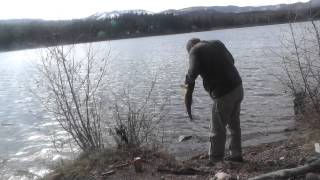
[207, 10]
[20, 21]
[192, 11]
[237, 9]
[27, 33]
[221, 9]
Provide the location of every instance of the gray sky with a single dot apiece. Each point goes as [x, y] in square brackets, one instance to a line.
[70, 9]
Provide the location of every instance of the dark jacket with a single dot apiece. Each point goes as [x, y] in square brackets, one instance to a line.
[215, 64]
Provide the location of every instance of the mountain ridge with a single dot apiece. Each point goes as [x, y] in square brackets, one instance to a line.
[198, 10]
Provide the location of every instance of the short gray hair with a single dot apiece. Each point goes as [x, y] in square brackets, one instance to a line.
[191, 43]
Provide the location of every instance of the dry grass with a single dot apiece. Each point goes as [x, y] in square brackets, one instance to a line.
[82, 167]
[94, 165]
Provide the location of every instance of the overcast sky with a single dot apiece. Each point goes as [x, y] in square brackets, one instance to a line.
[71, 9]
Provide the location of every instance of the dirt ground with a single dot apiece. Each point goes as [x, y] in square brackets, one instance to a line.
[259, 159]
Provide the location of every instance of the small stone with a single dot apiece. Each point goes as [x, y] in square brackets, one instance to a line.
[312, 176]
[184, 138]
[222, 176]
[317, 147]
[137, 163]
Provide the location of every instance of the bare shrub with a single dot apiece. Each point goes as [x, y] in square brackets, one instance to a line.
[138, 120]
[76, 97]
[75, 87]
[301, 63]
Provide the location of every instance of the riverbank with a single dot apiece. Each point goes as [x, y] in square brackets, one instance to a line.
[259, 159]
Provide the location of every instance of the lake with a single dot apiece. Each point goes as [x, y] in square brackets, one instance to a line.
[27, 130]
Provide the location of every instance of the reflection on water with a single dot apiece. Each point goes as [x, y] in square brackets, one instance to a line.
[27, 131]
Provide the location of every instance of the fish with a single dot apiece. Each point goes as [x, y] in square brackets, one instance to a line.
[6, 124]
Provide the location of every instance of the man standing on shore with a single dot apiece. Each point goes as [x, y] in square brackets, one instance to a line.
[215, 64]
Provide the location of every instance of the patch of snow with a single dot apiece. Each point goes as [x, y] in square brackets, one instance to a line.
[114, 14]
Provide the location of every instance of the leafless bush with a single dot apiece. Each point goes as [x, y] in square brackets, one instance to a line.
[301, 63]
[138, 121]
[75, 86]
[77, 100]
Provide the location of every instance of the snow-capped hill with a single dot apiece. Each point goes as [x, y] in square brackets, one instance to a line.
[113, 14]
[210, 10]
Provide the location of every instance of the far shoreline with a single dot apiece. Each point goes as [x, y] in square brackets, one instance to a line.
[37, 46]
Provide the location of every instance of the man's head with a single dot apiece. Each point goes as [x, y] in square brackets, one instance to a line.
[191, 43]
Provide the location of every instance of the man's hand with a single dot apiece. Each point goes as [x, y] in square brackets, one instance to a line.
[188, 98]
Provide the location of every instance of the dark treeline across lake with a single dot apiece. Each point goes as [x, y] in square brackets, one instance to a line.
[20, 34]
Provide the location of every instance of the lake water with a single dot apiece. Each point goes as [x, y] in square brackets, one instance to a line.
[27, 131]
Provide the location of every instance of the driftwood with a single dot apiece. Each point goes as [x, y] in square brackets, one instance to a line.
[121, 165]
[286, 173]
[181, 171]
[108, 173]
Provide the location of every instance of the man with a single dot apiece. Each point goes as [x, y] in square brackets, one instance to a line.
[215, 64]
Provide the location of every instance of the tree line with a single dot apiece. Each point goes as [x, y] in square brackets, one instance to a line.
[36, 33]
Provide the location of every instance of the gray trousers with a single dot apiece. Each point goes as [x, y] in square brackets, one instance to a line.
[226, 112]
